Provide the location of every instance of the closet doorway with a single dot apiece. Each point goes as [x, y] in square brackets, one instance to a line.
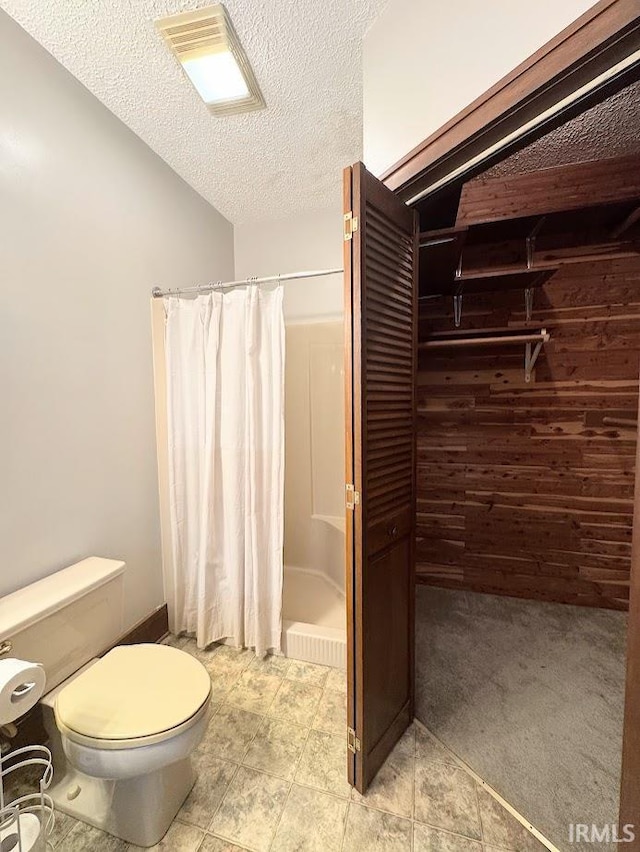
[421, 181]
[526, 455]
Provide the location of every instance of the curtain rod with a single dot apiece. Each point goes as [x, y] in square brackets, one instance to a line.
[157, 293]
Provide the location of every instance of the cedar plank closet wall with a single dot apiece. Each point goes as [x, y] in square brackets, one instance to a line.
[522, 488]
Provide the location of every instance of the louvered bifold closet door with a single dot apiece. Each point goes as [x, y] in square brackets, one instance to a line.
[381, 245]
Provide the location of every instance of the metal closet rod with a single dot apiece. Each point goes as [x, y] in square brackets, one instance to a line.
[158, 293]
[443, 342]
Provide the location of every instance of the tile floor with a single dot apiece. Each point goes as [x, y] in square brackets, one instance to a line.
[271, 776]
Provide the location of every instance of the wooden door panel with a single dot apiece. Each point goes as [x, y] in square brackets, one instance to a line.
[388, 590]
[381, 319]
[395, 526]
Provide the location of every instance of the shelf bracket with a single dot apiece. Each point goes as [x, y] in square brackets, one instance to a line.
[531, 355]
[528, 302]
[457, 308]
[459, 267]
[530, 244]
[531, 240]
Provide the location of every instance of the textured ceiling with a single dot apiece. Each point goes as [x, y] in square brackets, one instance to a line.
[261, 165]
[609, 129]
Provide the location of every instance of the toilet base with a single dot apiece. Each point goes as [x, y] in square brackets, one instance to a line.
[137, 810]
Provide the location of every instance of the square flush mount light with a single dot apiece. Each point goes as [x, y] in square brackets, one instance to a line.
[206, 45]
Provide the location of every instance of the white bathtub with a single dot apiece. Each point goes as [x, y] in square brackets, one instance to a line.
[314, 618]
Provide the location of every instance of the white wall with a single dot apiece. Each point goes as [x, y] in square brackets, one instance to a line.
[90, 219]
[301, 242]
[423, 62]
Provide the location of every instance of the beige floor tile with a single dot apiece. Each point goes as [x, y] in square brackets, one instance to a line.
[254, 691]
[219, 658]
[229, 732]
[222, 683]
[251, 809]
[255, 807]
[392, 788]
[63, 825]
[332, 713]
[501, 829]
[276, 747]
[337, 680]
[224, 666]
[179, 838]
[311, 822]
[271, 664]
[213, 778]
[408, 740]
[176, 641]
[428, 748]
[202, 654]
[427, 839]
[216, 844]
[324, 764]
[230, 656]
[446, 798]
[486, 848]
[296, 702]
[85, 838]
[307, 672]
[374, 831]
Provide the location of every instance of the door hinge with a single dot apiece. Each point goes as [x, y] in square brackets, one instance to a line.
[352, 496]
[350, 225]
[353, 743]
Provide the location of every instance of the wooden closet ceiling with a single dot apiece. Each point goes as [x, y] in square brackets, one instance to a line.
[514, 232]
[516, 224]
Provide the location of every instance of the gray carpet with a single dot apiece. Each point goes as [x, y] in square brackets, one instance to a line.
[531, 696]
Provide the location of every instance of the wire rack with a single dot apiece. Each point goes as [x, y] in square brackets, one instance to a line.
[26, 821]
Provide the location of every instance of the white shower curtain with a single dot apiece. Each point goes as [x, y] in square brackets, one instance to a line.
[225, 397]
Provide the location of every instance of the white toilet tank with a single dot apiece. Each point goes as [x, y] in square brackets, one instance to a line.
[67, 618]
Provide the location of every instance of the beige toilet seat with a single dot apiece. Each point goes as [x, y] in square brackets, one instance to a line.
[135, 695]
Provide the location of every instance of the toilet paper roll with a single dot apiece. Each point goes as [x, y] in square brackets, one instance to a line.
[21, 686]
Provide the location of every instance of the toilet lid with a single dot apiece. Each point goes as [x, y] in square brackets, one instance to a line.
[134, 691]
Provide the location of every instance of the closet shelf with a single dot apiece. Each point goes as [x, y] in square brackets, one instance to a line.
[530, 352]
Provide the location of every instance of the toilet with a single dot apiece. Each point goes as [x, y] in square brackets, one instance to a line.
[122, 726]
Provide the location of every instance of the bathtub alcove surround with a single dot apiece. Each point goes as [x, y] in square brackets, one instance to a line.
[314, 607]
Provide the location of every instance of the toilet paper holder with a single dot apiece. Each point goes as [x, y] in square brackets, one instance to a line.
[20, 691]
[26, 818]
[22, 683]
[27, 821]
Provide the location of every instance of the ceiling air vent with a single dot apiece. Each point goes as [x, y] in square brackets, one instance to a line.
[206, 45]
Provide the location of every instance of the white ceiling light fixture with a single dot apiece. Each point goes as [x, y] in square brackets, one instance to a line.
[206, 45]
